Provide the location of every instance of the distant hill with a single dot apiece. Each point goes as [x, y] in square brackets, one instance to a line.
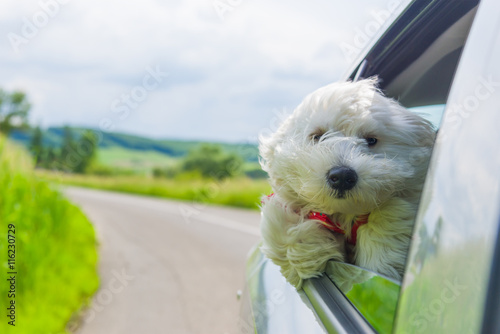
[114, 142]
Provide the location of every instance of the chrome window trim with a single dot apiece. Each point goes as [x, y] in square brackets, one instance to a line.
[360, 70]
[334, 310]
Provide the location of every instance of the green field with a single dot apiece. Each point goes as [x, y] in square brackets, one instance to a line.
[52, 248]
[125, 154]
[238, 192]
[143, 162]
[140, 161]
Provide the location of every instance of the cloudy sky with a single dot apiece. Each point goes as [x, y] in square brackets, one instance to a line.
[199, 69]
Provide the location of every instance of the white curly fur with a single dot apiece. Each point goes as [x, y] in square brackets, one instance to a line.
[390, 178]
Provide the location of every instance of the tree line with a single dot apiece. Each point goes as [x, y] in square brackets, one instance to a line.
[78, 151]
[74, 155]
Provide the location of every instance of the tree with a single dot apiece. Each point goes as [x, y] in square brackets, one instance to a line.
[212, 162]
[87, 151]
[68, 144]
[14, 108]
[74, 156]
[49, 158]
[68, 158]
[36, 145]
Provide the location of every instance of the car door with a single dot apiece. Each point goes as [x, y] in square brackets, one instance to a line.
[428, 51]
[451, 281]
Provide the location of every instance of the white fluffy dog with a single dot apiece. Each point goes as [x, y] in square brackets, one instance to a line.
[347, 168]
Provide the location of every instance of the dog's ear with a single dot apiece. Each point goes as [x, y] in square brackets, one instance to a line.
[424, 131]
[411, 126]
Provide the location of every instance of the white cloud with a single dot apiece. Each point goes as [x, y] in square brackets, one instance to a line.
[226, 76]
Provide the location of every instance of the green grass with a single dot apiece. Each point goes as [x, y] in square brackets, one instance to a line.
[133, 159]
[238, 192]
[55, 246]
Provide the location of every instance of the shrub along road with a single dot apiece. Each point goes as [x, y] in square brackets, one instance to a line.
[165, 267]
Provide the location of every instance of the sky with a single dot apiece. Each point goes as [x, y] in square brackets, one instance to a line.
[211, 70]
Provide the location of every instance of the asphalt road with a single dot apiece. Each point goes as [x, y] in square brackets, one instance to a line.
[166, 266]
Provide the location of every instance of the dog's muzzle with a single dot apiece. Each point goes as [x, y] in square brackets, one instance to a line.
[342, 178]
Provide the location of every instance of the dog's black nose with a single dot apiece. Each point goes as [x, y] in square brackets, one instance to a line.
[342, 178]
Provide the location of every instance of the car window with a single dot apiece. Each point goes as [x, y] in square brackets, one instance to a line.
[373, 295]
[415, 61]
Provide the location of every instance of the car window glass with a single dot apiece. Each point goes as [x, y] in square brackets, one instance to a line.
[373, 295]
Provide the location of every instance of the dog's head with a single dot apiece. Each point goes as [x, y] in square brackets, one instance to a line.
[346, 149]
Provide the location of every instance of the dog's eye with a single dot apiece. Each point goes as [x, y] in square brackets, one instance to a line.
[316, 137]
[371, 141]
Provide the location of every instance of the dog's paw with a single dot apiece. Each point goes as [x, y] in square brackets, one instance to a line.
[300, 246]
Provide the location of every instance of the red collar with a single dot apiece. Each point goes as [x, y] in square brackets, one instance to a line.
[335, 226]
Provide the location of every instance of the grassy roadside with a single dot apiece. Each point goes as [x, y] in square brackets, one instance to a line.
[240, 192]
[55, 259]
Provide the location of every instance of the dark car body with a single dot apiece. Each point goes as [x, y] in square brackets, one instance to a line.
[439, 57]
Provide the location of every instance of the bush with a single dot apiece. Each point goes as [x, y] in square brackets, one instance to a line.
[167, 172]
[55, 248]
[212, 162]
[102, 170]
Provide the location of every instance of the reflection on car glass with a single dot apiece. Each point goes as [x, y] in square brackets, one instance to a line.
[374, 296]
